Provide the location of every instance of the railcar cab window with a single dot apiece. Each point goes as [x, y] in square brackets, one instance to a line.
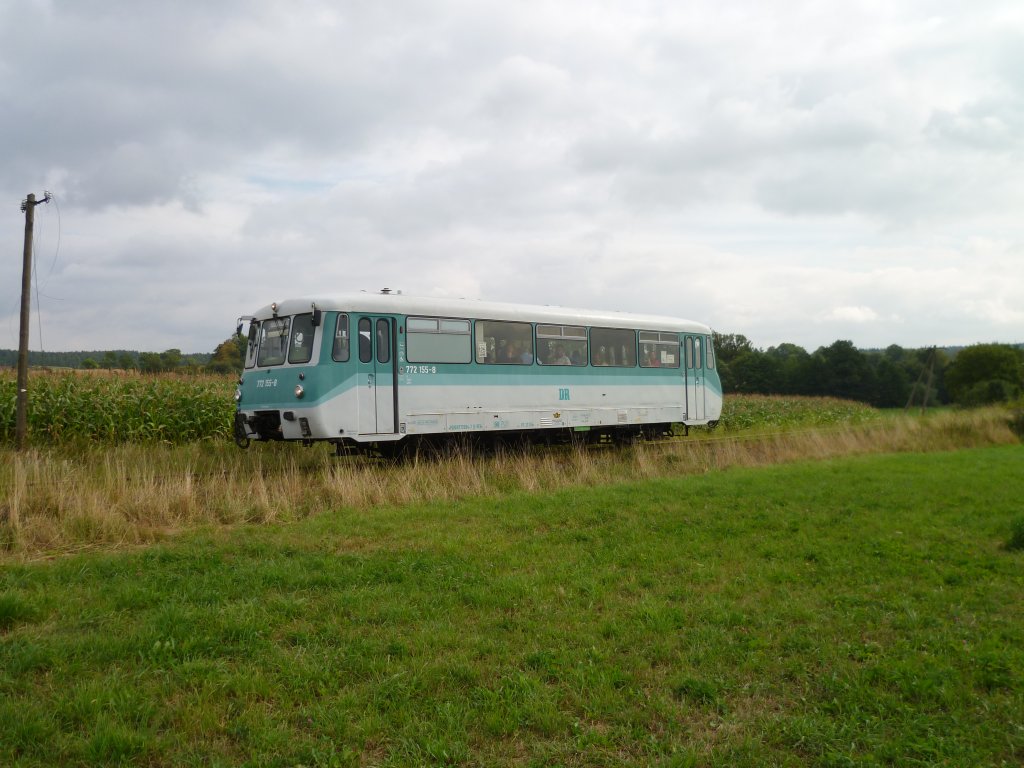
[340, 352]
[711, 354]
[561, 345]
[438, 340]
[250, 351]
[503, 343]
[273, 341]
[614, 347]
[659, 349]
[300, 349]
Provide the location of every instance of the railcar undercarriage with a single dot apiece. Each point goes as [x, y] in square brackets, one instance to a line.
[489, 442]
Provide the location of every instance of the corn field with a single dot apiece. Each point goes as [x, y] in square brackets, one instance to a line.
[772, 412]
[120, 407]
[126, 407]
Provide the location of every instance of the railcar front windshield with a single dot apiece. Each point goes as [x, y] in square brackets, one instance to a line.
[273, 341]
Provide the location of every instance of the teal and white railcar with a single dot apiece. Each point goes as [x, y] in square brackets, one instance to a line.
[378, 372]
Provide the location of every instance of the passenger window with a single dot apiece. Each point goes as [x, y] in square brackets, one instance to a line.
[383, 341]
[561, 345]
[659, 349]
[273, 342]
[438, 340]
[502, 343]
[300, 350]
[340, 352]
[615, 347]
[365, 340]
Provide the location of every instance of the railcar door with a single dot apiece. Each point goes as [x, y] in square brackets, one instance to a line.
[376, 377]
[694, 378]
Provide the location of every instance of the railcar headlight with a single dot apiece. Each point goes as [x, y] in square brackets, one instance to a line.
[299, 391]
[238, 394]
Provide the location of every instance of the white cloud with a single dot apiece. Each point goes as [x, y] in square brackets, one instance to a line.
[852, 315]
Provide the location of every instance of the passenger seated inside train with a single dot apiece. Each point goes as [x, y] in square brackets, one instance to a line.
[560, 358]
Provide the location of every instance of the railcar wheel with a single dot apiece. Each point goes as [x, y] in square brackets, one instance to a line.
[241, 436]
[626, 436]
[397, 451]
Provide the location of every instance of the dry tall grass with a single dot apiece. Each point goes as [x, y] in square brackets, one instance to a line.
[53, 502]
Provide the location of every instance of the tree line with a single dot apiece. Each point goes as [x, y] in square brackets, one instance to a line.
[116, 359]
[888, 378]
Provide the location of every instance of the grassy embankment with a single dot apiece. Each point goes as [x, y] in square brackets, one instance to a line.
[852, 611]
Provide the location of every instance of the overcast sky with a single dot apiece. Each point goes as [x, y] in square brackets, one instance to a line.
[792, 171]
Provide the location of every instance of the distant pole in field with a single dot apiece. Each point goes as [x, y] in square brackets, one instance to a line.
[21, 416]
[928, 384]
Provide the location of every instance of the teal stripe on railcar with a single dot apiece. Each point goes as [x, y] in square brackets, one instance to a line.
[319, 386]
[322, 384]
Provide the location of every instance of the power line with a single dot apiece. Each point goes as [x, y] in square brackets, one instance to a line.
[56, 251]
[35, 270]
[39, 309]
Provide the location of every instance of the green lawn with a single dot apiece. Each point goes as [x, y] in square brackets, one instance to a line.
[851, 612]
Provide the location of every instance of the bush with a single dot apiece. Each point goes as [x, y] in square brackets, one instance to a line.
[1017, 421]
[988, 392]
[980, 374]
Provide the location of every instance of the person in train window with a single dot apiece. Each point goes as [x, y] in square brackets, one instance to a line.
[650, 357]
[560, 358]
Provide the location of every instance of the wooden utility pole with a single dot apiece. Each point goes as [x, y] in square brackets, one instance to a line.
[21, 416]
[928, 384]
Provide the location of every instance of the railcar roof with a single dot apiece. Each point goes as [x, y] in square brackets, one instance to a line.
[405, 304]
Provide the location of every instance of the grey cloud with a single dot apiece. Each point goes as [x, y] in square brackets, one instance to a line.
[200, 91]
[984, 126]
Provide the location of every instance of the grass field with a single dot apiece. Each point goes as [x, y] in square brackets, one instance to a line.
[853, 611]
